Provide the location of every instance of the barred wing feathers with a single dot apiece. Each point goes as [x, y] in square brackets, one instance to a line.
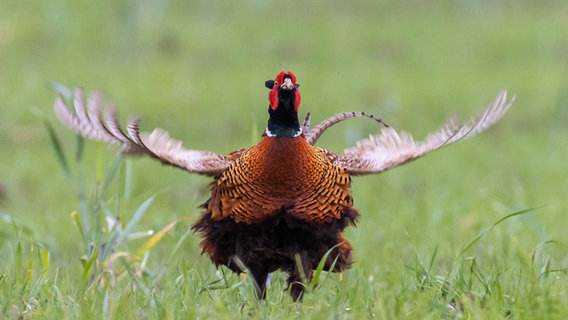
[390, 148]
[312, 135]
[93, 123]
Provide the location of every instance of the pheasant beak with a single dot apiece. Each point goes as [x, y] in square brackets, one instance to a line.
[287, 84]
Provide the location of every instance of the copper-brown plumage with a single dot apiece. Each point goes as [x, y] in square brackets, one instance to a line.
[280, 198]
[283, 203]
[281, 172]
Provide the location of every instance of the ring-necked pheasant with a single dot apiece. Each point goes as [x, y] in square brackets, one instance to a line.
[283, 203]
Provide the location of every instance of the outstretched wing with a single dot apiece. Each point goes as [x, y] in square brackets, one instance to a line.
[390, 148]
[91, 123]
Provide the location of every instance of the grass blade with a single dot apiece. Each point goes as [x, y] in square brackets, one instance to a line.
[44, 258]
[30, 271]
[88, 270]
[135, 219]
[80, 148]
[19, 260]
[474, 241]
[154, 240]
[180, 240]
[128, 180]
[57, 148]
[61, 89]
[321, 265]
[132, 273]
[110, 174]
[109, 246]
[77, 219]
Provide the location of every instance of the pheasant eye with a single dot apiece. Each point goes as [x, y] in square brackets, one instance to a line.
[269, 84]
[297, 85]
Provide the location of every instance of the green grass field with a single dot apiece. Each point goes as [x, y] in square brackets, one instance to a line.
[428, 245]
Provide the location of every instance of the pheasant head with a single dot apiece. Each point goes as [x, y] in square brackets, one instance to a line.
[284, 99]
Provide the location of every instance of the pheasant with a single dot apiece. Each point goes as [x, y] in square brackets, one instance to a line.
[283, 203]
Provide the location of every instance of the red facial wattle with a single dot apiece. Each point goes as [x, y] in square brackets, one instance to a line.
[297, 99]
[273, 95]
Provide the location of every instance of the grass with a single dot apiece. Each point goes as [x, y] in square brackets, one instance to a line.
[444, 237]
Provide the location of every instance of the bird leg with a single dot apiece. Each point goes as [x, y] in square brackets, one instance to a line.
[259, 278]
[259, 275]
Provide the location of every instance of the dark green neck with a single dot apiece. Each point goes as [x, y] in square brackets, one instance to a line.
[283, 121]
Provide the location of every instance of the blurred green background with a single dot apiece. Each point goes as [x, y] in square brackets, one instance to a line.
[197, 69]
